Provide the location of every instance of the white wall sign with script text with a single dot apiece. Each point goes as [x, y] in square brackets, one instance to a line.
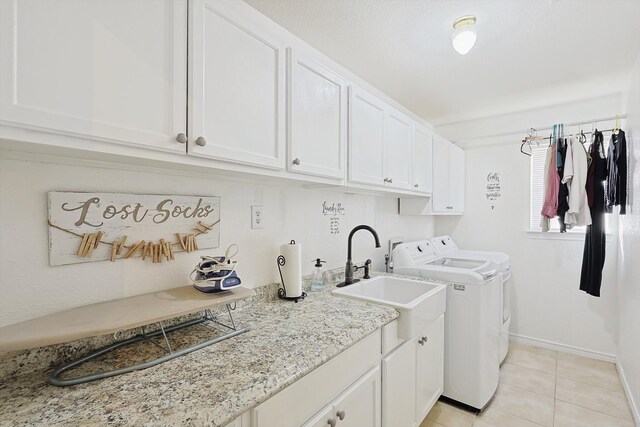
[141, 218]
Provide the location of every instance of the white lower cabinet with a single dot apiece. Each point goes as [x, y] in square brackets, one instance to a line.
[350, 382]
[358, 406]
[399, 386]
[429, 367]
[413, 377]
[358, 388]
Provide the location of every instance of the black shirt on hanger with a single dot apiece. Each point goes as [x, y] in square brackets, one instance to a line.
[617, 176]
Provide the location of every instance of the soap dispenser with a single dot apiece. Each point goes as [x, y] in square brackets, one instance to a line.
[318, 278]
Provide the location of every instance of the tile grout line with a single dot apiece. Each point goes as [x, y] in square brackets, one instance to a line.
[595, 410]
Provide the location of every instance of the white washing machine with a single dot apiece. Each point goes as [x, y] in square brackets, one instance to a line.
[472, 318]
[445, 246]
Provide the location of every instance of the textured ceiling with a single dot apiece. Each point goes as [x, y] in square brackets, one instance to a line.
[528, 53]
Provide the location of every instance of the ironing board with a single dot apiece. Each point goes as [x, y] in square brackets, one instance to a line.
[120, 315]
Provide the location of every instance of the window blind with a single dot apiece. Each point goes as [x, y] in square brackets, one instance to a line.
[538, 156]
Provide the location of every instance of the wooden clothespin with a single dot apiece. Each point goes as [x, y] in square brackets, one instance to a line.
[80, 252]
[183, 244]
[88, 249]
[121, 245]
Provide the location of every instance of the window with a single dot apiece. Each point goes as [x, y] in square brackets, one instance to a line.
[538, 157]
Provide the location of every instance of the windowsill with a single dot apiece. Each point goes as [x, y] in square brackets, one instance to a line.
[556, 235]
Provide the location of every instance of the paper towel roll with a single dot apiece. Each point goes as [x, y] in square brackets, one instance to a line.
[292, 269]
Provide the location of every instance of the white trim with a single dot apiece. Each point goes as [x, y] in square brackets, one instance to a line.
[577, 235]
[635, 411]
[564, 348]
[556, 235]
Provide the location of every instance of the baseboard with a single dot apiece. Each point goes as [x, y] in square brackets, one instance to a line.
[635, 413]
[550, 345]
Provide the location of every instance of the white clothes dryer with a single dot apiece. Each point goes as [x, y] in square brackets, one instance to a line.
[472, 318]
[445, 246]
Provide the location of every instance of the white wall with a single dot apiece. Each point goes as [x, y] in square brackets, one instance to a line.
[30, 288]
[628, 266]
[547, 304]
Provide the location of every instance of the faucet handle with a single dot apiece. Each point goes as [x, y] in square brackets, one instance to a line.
[366, 265]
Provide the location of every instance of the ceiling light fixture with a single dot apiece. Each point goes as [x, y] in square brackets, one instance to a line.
[464, 34]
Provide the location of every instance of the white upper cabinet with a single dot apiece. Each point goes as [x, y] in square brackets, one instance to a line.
[448, 177]
[104, 70]
[366, 138]
[456, 178]
[317, 122]
[422, 160]
[398, 150]
[236, 86]
[380, 143]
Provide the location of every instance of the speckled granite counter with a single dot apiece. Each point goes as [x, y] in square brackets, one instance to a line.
[210, 386]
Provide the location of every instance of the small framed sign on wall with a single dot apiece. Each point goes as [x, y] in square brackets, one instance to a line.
[87, 227]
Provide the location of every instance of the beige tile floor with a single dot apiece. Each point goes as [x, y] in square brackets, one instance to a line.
[540, 387]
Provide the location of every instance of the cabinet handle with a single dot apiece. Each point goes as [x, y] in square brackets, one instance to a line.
[386, 180]
[181, 138]
[416, 185]
[390, 181]
[423, 340]
[340, 414]
[201, 141]
[331, 422]
[296, 161]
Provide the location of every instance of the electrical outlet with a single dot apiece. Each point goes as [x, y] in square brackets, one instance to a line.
[257, 221]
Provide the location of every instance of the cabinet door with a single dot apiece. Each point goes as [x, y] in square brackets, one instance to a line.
[317, 119]
[440, 197]
[430, 367]
[100, 69]
[456, 178]
[422, 160]
[398, 150]
[399, 387]
[325, 418]
[366, 141]
[360, 404]
[236, 86]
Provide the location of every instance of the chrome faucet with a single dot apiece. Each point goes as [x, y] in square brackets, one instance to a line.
[348, 271]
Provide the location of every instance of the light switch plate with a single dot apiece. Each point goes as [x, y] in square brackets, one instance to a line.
[257, 220]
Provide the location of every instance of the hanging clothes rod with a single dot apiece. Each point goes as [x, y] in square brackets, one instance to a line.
[531, 139]
[584, 122]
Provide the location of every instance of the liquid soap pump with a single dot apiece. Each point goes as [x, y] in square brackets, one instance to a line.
[318, 278]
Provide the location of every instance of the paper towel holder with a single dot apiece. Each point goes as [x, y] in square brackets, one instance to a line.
[282, 292]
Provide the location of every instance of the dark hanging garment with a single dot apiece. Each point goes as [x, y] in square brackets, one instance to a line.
[595, 240]
[563, 191]
[617, 180]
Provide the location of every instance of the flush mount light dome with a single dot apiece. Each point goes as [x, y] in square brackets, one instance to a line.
[464, 34]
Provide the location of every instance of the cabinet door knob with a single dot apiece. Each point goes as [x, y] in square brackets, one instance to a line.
[340, 414]
[181, 138]
[201, 141]
[296, 161]
[390, 181]
[415, 185]
[331, 422]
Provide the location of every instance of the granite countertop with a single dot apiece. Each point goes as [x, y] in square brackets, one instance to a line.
[211, 386]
